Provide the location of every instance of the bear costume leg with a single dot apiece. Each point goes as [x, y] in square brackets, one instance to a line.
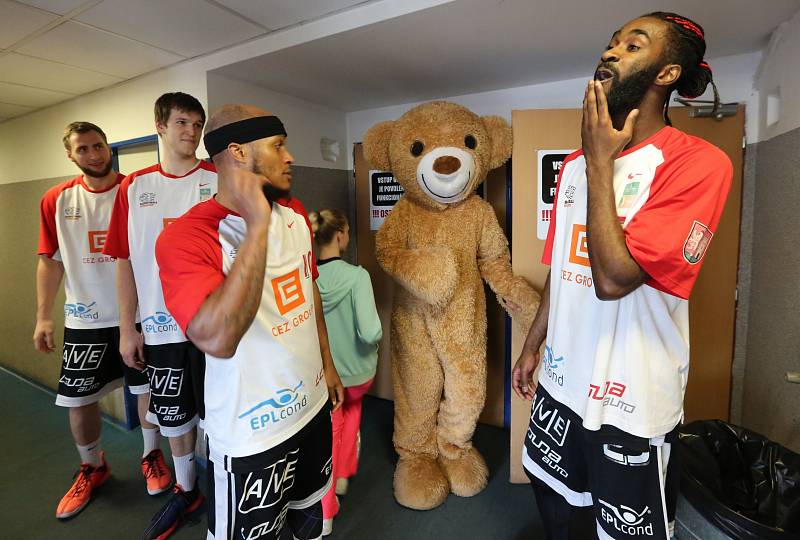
[419, 482]
[462, 403]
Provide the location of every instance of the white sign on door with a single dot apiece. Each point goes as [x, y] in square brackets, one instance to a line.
[384, 192]
[549, 163]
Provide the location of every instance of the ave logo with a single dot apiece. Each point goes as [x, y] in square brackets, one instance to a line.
[165, 382]
[83, 356]
[265, 488]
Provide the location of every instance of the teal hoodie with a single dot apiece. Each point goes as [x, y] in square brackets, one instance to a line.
[354, 328]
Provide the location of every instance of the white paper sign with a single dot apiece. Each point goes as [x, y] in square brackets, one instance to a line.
[549, 165]
[384, 192]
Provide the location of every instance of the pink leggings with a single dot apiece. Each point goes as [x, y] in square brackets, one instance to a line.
[346, 424]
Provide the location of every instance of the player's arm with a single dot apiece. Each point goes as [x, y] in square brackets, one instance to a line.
[614, 271]
[227, 313]
[335, 388]
[131, 341]
[48, 279]
[522, 374]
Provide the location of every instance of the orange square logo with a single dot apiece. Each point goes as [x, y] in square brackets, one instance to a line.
[97, 239]
[579, 247]
[288, 291]
[168, 220]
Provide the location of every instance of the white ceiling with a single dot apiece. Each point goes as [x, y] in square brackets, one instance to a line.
[472, 46]
[53, 50]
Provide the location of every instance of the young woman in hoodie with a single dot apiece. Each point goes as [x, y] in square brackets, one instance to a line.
[354, 331]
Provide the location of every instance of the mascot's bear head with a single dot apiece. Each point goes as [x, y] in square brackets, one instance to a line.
[439, 152]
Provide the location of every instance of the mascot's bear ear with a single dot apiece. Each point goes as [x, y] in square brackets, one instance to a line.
[500, 134]
[376, 145]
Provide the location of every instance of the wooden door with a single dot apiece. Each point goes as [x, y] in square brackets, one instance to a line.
[712, 306]
[383, 286]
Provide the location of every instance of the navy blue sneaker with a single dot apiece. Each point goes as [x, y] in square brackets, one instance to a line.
[173, 513]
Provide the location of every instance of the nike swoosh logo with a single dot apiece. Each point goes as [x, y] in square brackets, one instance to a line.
[203, 185]
[290, 224]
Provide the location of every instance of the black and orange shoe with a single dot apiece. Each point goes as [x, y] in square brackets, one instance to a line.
[174, 513]
[79, 495]
[156, 473]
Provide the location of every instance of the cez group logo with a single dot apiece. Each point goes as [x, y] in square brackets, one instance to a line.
[82, 311]
[159, 322]
[283, 405]
[579, 246]
[97, 240]
[288, 291]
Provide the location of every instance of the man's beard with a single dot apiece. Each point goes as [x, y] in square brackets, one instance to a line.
[273, 194]
[627, 94]
[270, 192]
[95, 173]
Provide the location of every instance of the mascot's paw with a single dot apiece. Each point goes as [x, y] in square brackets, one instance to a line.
[419, 483]
[468, 474]
[521, 304]
[438, 275]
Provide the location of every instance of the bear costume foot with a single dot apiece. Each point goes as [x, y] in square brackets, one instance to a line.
[468, 474]
[419, 483]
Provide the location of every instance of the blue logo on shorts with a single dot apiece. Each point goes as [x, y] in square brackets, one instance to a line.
[80, 310]
[159, 322]
[286, 402]
[551, 366]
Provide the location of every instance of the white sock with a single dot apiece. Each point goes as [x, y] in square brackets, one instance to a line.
[185, 473]
[90, 453]
[152, 440]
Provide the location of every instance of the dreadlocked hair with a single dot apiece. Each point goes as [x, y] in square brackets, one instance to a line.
[687, 47]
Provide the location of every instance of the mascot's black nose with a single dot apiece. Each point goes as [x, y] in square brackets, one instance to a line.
[446, 164]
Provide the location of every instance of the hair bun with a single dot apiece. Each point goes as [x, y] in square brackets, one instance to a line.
[694, 84]
[313, 217]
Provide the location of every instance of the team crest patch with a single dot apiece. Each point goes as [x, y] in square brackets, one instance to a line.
[696, 243]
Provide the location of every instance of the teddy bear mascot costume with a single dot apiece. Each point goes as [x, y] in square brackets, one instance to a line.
[437, 243]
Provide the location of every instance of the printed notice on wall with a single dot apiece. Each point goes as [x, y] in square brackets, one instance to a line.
[384, 192]
[550, 162]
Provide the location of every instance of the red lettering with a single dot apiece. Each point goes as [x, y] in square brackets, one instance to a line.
[612, 388]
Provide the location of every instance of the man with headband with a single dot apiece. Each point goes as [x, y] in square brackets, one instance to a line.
[238, 275]
[634, 214]
[147, 202]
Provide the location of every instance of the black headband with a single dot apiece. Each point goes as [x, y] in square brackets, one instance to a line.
[243, 131]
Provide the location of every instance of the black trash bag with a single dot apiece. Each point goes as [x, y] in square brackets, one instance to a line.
[743, 483]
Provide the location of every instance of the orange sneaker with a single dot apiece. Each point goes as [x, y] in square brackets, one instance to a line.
[79, 495]
[156, 473]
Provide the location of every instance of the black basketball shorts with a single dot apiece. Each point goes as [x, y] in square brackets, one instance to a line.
[255, 497]
[622, 476]
[91, 366]
[176, 373]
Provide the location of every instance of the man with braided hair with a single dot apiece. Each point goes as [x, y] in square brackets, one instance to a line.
[635, 211]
